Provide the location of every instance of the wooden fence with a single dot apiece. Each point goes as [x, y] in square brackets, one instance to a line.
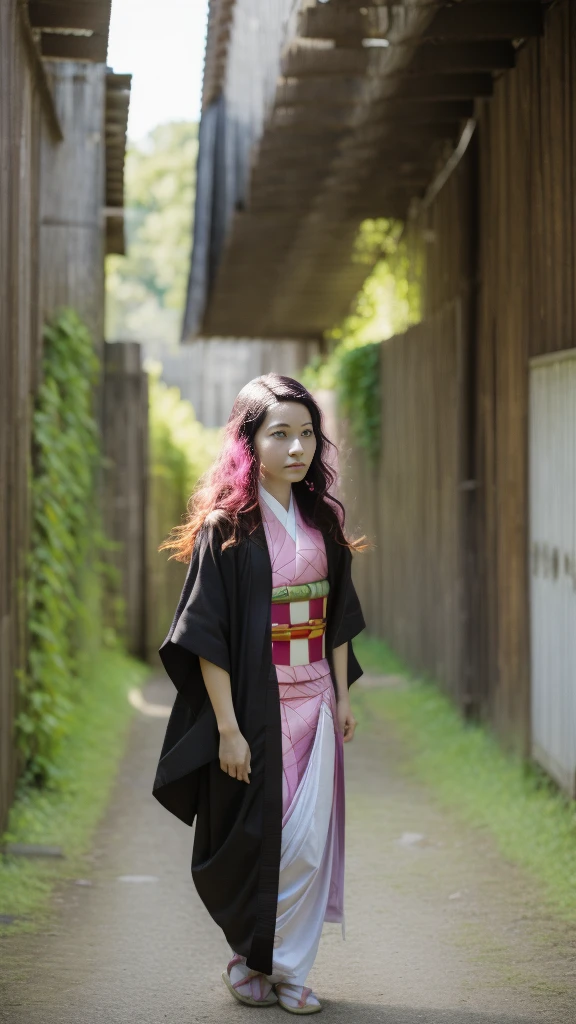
[51, 253]
[447, 505]
[125, 484]
[527, 307]
[27, 129]
[410, 504]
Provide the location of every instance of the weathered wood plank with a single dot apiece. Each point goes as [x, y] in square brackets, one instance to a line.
[79, 48]
[451, 58]
[90, 14]
[51, 232]
[513, 20]
[125, 489]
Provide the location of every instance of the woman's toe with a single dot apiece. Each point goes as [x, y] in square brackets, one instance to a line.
[249, 984]
[293, 995]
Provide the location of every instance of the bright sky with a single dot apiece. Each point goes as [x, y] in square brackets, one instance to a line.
[161, 43]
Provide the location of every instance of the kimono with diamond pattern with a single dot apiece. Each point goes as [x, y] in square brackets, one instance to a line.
[312, 862]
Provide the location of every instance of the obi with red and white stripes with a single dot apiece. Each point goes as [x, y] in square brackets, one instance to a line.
[299, 623]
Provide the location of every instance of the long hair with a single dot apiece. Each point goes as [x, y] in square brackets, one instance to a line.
[228, 491]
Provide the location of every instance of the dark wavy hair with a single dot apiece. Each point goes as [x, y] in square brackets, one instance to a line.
[228, 491]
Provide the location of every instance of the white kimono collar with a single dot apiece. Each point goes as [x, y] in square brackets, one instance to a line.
[287, 518]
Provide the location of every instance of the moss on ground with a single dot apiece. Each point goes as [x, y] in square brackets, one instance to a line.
[66, 814]
[533, 824]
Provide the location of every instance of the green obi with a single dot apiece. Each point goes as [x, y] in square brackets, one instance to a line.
[300, 591]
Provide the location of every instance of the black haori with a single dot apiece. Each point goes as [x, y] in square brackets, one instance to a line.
[224, 616]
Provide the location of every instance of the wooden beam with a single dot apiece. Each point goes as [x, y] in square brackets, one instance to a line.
[488, 20]
[90, 14]
[81, 48]
[485, 19]
[273, 168]
[40, 77]
[348, 26]
[302, 133]
[117, 99]
[116, 117]
[343, 91]
[327, 119]
[315, 152]
[451, 58]
[404, 132]
[302, 62]
[441, 87]
[280, 179]
[118, 81]
[420, 108]
[357, 4]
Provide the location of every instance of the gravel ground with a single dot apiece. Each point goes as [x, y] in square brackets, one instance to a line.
[439, 929]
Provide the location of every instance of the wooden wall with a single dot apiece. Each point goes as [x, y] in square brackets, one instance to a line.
[410, 505]
[414, 503]
[25, 131]
[527, 306]
[73, 183]
[210, 372]
[51, 238]
[447, 505]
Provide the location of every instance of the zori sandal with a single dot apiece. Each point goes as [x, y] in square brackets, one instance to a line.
[296, 999]
[256, 983]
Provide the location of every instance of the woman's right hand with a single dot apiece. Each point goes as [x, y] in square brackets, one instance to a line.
[235, 755]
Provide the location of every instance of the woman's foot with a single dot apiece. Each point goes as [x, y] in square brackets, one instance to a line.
[247, 986]
[297, 999]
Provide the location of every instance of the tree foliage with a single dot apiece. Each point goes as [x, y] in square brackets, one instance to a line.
[387, 304]
[181, 448]
[146, 288]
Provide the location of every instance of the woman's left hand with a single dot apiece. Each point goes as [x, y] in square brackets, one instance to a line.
[346, 719]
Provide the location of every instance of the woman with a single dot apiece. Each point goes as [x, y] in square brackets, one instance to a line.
[260, 653]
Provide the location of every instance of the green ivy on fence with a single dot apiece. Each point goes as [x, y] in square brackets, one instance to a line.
[387, 304]
[66, 536]
[358, 393]
[181, 450]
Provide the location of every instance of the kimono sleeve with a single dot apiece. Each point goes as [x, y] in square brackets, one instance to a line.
[352, 620]
[200, 628]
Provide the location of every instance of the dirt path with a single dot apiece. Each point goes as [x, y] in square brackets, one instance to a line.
[439, 928]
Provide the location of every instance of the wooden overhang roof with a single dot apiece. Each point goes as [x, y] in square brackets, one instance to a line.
[116, 125]
[77, 30]
[373, 97]
[71, 29]
[220, 14]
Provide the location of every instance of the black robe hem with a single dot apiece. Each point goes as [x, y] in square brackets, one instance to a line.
[261, 950]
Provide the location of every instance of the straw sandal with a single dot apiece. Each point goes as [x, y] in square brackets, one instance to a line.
[233, 986]
[302, 1005]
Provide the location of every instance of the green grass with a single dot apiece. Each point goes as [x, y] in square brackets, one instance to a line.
[376, 658]
[67, 814]
[534, 825]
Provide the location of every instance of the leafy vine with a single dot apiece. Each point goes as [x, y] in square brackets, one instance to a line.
[387, 304]
[65, 538]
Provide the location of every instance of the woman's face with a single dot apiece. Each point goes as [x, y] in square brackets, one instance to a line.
[285, 443]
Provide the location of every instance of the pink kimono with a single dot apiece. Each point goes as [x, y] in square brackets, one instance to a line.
[312, 859]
